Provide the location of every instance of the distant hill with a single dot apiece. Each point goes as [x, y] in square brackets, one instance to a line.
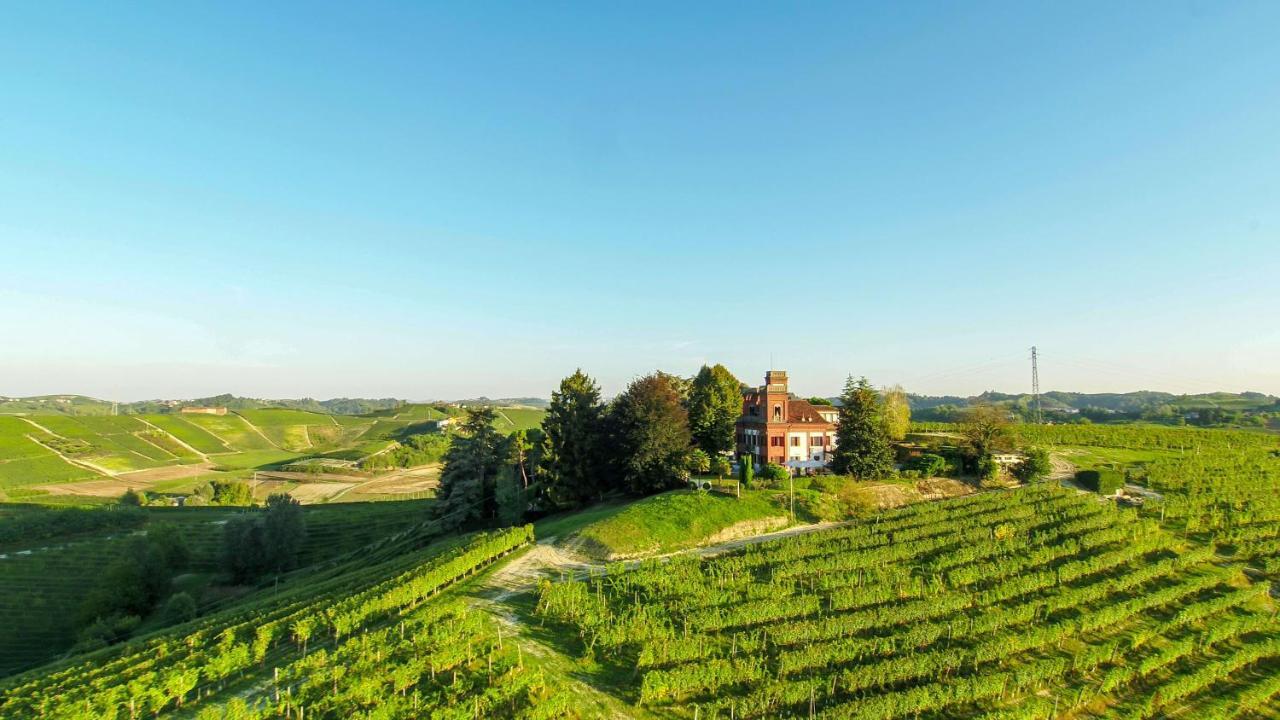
[1207, 408]
[83, 405]
[533, 402]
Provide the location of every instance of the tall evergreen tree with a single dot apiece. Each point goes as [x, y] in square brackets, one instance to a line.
[573, 466]
[862, 442]
[650, 435]
[468, 481]
[715, 402]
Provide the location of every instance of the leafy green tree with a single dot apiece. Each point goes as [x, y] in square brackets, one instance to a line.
[1035, 466]
[720, 466]
[243, 549]
[510, 496]
[715, 403]
[896, 412]
[574, 466]
[179, 608]
[131, 584]
[862, 442]
[168, 541]
[468, 481]
[699, 463]
[131, 498]
[650, 434]
[987, 429]
[232, 492]
[815, 400]
[284, 530]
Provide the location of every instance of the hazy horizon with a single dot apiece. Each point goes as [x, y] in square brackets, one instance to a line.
[447, 202]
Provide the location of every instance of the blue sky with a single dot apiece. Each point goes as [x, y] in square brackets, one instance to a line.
[369, 199]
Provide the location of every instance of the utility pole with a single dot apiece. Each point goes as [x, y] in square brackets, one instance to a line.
[1035, 385]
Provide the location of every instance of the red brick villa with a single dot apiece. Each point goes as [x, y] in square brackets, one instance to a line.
[778, 428]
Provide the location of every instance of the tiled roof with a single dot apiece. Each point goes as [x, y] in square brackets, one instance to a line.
[801, 411]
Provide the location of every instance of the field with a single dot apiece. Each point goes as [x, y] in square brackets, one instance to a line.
[44, 457]
[1032, 603]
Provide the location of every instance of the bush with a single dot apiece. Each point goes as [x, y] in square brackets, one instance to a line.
[231, 492]
[1034, 466]
[775, 474]
[178, 609]
[131, 498]
[746, 471]
[1104, 482]
[928, 465]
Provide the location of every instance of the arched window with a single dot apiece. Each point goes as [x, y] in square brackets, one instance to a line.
[777, 413]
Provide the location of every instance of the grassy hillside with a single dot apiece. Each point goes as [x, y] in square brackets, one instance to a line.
[673, 521]
[23, 461]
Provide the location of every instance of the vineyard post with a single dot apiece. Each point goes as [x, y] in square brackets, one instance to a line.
[792, 482]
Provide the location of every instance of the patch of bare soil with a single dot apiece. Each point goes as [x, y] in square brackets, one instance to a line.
[889, 495]
[114, 487]
[939, 488]
[315, 492]
[402, 483]
[1063, 469]
[170, 472]
[306, 477]
[748, 528]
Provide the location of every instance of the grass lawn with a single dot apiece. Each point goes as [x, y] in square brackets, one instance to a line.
[1092, 457]
[255, 459]
[671, 521]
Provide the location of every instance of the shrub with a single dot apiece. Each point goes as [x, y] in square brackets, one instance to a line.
[775, 473]
[131, 498]
[928, 465]
[746, 471]
[1034, 466]
[1104, 482]
[179, 608]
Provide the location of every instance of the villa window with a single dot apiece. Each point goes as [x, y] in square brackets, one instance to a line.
[777, 412]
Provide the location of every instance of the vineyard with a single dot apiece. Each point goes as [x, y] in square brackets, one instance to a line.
[45, 580]
[1032, 603]
[362, 635]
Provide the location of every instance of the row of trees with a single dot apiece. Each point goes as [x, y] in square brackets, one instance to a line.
[643, 442]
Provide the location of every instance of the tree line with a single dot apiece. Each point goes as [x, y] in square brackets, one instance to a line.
[650, 438]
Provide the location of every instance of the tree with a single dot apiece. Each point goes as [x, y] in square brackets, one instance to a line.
[509, 495]
[131, 498]
[468, 481]
[1035, 466]
[819, 401]
[575, 461]
[715, 402]
[896, 411]
[179, 608]
[986, 429]
[862, 442]
[720, 466]
[168, 541]
[284, 530]
[746, 471]
[650, 435]
[242, 549]
[232, 492]
[699, 463]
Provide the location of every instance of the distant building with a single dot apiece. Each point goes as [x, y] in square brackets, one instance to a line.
[778, 428]
[204, 410]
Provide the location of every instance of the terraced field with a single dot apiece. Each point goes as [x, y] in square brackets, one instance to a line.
[1034, 603]
[23, 461]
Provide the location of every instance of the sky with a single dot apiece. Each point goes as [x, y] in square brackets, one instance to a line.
[435, 200]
